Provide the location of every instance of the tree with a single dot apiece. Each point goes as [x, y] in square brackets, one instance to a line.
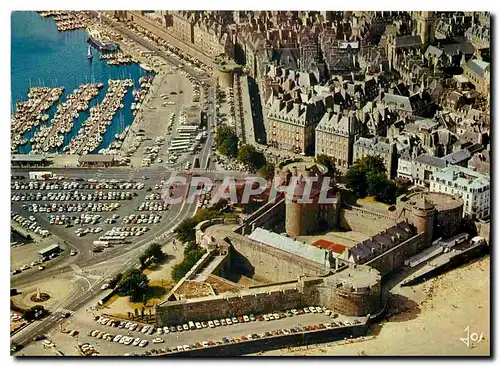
[251, 157]
[133, 284]
[267, 171]
[372, 164]
[192, 254]
[226, 141]
[185, 230]
[329, 163]
[368, 176]
[154, 250]
[356, 180]
[115, 280]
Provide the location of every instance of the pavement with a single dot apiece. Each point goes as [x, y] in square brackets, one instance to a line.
[83, 322]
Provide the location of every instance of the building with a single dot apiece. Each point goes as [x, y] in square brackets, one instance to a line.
[51, 249]
[424, 166]
[291, 125]
[192, 115]
[471, 186]
[29, 160]
[97, 160]
[304, 218]
[335, 136]
[426, 25]
[183, 26]
[377, 147]
[478, 73]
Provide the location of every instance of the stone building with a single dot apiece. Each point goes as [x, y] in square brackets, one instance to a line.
[377, 147]
[479, 35]
[478, 73]
[291, 125]
[183, 25]
[448, 211]
[426, 25]
[473, 187]
[212, 37]
[335, 136]
[302, 218]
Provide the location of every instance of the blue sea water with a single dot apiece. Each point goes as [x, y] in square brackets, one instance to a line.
[42, 56]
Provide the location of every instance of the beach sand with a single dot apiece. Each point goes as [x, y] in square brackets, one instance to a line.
[431, 319]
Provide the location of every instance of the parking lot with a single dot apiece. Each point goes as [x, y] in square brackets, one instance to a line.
[83, 212]
[128, 337]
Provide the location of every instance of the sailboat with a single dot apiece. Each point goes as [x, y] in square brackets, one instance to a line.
[90, 56]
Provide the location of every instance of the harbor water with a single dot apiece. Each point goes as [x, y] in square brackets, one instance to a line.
[42, 56]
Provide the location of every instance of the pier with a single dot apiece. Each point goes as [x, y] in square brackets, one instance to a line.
[29, 113]
[90, 134]
[52, 136]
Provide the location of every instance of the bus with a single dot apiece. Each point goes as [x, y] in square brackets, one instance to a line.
[179, 143]
[178, 148]
[185, 135]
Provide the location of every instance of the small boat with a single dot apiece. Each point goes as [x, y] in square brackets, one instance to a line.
[89, 55]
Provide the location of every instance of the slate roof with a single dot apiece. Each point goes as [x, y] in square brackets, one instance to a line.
[431, 160]
[478, 67]
[408, 41]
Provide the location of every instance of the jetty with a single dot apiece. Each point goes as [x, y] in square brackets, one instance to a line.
[52, 136]
[30, 113]
[89, 136]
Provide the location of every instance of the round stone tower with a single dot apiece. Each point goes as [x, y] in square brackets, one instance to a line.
[302, 217]
[423, 214]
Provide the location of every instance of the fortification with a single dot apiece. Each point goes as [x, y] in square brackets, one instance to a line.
[448, 212]
[224, 70]
[305, 217]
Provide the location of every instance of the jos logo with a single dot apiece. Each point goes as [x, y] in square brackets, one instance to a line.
[470, 338]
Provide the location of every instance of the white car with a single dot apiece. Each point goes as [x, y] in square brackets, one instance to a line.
[136, 342]
[105, 286]
[211, 324]
[166, 330]
[158, 340]
[117, 338]
[198, 325]
[143, 343]
[145, 329]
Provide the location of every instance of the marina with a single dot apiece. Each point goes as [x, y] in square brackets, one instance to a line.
[63, 59]
[90, 134]
[65, 21]
[30, 113]
[52, 136]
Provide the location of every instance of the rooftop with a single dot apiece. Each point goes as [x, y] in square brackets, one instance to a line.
[463, 177]
[289, 245]
[100, 158]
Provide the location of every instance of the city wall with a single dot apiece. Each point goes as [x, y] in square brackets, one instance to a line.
[363, 221]
[268, 263]
[266, 217]
[393, 259]
[162, 32]
[264, 300]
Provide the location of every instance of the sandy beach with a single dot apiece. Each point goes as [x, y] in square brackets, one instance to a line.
[430, 321]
